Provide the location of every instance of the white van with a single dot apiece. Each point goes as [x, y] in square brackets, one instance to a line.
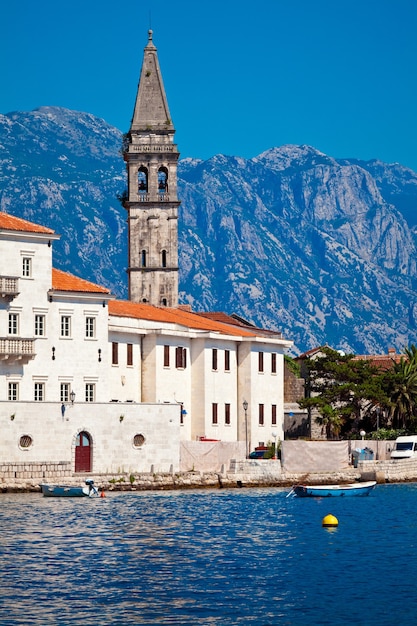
[405, 448]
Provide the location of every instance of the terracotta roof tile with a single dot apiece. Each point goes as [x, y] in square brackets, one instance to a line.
[9, 222]
[62, 281]
[124, 308]
[382, 361]
[235, 320]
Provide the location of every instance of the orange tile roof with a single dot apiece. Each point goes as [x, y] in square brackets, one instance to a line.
[382, 361]
[219, 316]
[62, 281]
[125, 308]
[9, 222]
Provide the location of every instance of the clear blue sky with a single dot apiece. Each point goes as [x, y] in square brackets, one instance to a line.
[241, 76]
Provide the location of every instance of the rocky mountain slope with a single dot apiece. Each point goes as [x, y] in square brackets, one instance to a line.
[322, 249]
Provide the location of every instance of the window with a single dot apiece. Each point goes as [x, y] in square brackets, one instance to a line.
[39, 325]
[129, 354]
[260, 361]
[180, 358]
[64, 392]
[89, 392]
[39, 394]
[25, 441]
[261, 415]
[143, 258]
[142, 180]
[13, 393]
[90, 327]
[274, 415]
[273, 363]
[138, 440]
[214, 416]
[164, 258]
[26, 267]
[227, 360]
[65, 326]
[227, 414]
[115, 353]
[214, 359]
[13, 324]
[166, 356]
[162, 180]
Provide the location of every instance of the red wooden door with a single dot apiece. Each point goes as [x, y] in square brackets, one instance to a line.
[83, 453]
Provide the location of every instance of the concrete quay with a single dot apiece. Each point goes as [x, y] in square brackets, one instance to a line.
[246, 473]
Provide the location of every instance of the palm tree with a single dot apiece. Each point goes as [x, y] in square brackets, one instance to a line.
[403, 389]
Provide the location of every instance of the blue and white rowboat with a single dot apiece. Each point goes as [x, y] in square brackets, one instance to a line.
[70, 491]
[325, 491]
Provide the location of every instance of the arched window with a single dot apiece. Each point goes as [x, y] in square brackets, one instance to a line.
[163, 180]
[143, 258]
[164, 302]
[164, 258]
[142, 180]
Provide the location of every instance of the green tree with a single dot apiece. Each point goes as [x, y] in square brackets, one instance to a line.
[401, 386]
[346, 391]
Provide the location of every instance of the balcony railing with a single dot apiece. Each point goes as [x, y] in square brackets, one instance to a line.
[9, 287]
[17, 349]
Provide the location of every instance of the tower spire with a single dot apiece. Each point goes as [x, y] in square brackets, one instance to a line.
[151, 160]
[151, 107]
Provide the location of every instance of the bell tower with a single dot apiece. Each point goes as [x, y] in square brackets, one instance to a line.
[151, 160]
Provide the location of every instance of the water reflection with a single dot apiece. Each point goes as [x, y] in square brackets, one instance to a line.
[207, 557]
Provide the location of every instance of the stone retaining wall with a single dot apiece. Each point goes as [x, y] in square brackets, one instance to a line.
[246, 473]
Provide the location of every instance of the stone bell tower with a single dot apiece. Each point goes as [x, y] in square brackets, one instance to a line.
[151, 160]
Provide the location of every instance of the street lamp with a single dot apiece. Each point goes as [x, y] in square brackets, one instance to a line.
[378, 409]
[275, 445]
[362, 434]
[245, 408]
[72, 397]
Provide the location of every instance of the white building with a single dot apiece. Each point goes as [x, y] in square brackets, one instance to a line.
[92, 384]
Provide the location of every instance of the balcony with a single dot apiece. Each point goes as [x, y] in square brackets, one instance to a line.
[9, 287]
[22, 350]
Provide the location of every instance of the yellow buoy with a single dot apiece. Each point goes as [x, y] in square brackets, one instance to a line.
[330, 520]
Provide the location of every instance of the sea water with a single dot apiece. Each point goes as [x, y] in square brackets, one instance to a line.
[209, 557]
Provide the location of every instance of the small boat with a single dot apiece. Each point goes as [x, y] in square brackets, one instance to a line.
[324, 491]
[70, 491]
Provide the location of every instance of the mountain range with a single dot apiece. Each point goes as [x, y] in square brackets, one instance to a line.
[321, 249]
